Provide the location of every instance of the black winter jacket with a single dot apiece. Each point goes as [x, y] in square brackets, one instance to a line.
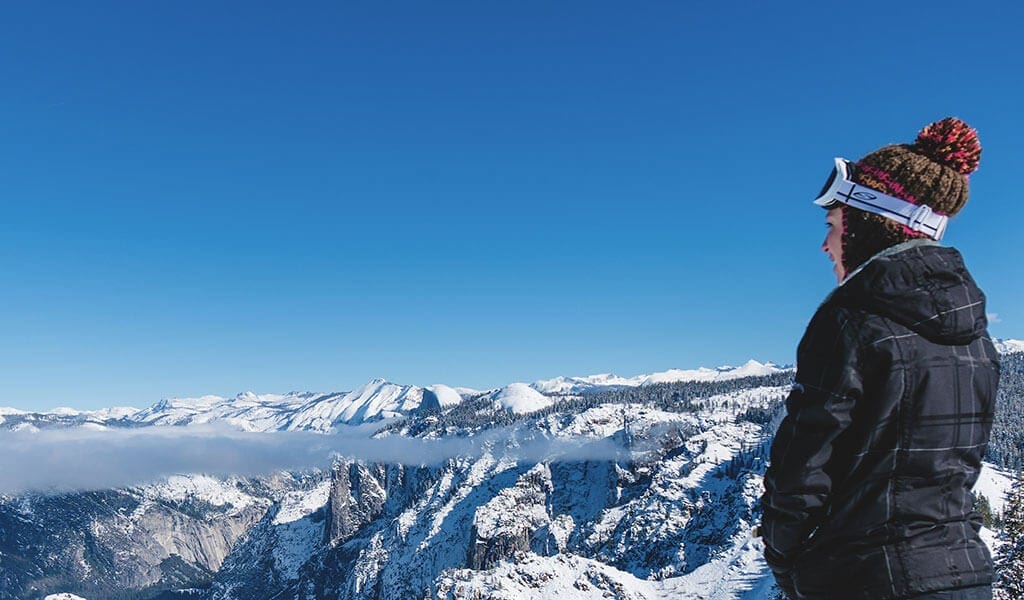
[868, 495]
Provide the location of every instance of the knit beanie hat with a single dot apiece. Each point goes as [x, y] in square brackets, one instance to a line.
[933, 170]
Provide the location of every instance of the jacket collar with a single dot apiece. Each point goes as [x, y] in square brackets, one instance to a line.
[889, 252]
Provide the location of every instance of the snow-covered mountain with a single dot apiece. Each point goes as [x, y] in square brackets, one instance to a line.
[247, 411]
[305, 411]
[374, 401]
[372, 530]
[655, 499]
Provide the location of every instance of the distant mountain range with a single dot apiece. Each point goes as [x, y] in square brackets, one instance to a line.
[377, 400]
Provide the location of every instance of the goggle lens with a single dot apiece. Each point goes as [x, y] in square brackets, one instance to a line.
[828, 183]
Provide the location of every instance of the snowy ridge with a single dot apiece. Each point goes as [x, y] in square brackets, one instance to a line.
[593, 383]
[993, 483]
[1008, 346]
[377, 400]
[742, 574]
[247, 411]
[309, 411]
[112, 413]
[203, 488]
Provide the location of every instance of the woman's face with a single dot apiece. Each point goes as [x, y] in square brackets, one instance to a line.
[833, 244]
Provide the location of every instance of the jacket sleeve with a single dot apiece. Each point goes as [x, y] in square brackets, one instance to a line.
[797, 483]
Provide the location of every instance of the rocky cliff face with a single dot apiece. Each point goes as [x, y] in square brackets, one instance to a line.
[104, 544]
[358, 494]
[681, 497]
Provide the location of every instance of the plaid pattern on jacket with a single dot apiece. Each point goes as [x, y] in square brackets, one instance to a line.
[868, 494]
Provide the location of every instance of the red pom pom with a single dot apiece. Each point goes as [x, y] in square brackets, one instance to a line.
[950, 142]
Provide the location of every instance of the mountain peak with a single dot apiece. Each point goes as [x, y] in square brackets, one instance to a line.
[520, 398]
[65, 411]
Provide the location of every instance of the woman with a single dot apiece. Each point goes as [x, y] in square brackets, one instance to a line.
[868, 494]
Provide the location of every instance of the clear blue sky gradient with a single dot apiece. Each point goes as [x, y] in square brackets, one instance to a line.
[210, 199]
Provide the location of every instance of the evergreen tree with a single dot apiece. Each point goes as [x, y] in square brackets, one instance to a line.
[1010, 562]
[984, 508]
[1006, 447]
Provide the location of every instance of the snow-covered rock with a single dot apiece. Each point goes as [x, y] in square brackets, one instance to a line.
[440, 397]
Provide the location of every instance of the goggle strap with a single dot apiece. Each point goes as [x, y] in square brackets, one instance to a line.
[916, 217]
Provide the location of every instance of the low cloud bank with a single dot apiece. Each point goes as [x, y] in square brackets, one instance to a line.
[56, 461]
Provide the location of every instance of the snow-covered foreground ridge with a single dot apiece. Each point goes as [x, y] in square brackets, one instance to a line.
[1009, 346]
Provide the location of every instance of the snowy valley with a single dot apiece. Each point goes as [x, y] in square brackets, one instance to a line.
[581, 487]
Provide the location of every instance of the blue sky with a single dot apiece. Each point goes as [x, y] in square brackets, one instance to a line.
[206, 198]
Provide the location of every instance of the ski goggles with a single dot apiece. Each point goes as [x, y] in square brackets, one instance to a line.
[916, 217]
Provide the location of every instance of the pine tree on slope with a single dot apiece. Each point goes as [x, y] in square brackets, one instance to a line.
[1010, 562]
